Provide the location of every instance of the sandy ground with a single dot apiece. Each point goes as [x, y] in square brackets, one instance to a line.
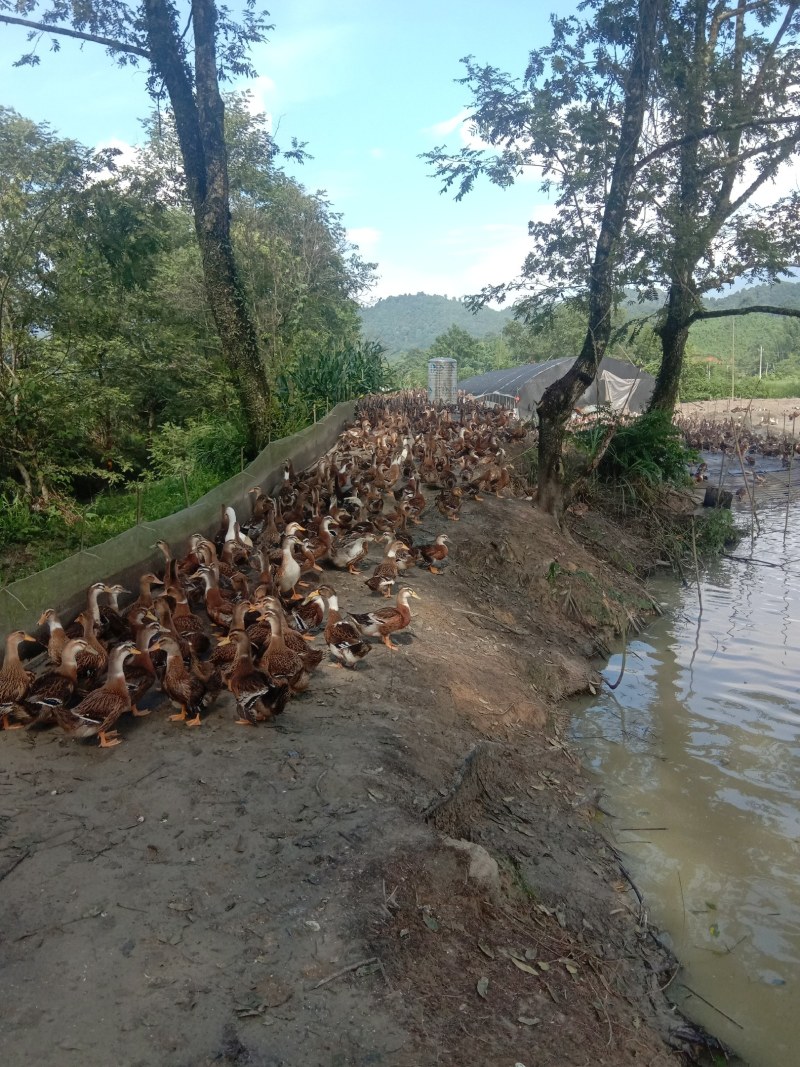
[771, 413]
[182, 898]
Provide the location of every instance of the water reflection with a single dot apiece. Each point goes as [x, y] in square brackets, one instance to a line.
[699, 753]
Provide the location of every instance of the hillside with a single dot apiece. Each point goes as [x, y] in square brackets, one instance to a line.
[416, 320]
[779, 294]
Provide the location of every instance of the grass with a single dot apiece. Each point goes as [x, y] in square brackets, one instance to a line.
[30, 541]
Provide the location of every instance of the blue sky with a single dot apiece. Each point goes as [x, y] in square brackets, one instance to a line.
[370, 84]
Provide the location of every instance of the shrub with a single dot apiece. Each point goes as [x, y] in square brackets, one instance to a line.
[647, 449]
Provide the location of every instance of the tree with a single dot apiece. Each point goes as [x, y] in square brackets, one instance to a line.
[151, 32]
[589, 88]
[736, 71]
[645, 211]
[301, 275]
[96, 349]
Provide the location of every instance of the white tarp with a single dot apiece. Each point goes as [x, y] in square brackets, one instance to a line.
[616, 392]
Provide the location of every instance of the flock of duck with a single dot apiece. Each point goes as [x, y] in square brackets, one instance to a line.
[229, 611]
[708, 435]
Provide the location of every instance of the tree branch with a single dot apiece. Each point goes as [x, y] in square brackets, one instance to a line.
[62, 31]
[754, 309]
[772, 48]
[712, 131]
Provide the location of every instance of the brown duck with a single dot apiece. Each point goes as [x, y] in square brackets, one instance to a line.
[186, 688]
[15, 681]
[258, 697]
[346, 644]
[385, 574]
[284, 666]
[55, 688]
[433, 556]
[386, 621]
[98, 712]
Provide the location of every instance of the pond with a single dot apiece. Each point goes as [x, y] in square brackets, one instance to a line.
[698, 753]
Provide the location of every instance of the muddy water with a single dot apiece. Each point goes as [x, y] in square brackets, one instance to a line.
[698, 753]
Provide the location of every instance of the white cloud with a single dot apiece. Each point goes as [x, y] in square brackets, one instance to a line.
[464, 124]
[261, 90]
[441, 129]
[377, 153]
[128, 154]
[366, 237]
[463, 261]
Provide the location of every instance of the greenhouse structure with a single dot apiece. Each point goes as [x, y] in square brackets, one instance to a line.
[619, 385]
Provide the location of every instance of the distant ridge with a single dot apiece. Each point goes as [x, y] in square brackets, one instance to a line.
[416, 320]
[777, 294]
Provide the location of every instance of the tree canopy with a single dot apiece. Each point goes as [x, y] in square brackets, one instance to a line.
[106, 339]
[671, 206]
[189, 49]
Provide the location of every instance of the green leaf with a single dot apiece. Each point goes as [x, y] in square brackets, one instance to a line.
[525, 966]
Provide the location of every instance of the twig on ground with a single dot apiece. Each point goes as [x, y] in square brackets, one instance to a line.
[345, 970]
[14, 864]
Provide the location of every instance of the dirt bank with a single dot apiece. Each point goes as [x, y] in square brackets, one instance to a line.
[288, 895]
[767, 413]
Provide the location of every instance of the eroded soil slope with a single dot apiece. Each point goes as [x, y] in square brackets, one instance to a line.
[209, 896]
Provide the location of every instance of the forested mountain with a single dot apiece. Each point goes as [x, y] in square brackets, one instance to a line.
[777, 294]
[416, 320]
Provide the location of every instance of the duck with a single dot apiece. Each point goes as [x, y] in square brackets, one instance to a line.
[186, 623]
[145, 598]
[99, 711]
[92, 662]
[15, 680]
[233, 531]
[57, 635]
[92, 609]
[114, 626]
[141, 676]
[307, 616]
[385, 574]
[186, 689]
[386, 621]
[288, 573]
[283, 665]
[218, 608]
[57, 686]
[345, 642]
[348, 552]
[294, 641]
[432, 556]
[258, 698]
[448, 503]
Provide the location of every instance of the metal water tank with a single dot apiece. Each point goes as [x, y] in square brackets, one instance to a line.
[443, 380]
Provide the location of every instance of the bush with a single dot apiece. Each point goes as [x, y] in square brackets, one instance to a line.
[200, 446]
[648, 449]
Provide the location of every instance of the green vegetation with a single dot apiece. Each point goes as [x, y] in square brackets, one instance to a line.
[414, 321]
[111, 374]
[771, 340]
[649, 449]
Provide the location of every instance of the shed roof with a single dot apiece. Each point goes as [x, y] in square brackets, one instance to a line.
[528, 383]
[510, 380]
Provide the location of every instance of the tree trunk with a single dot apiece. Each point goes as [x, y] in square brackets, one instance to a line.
[199, 121]
[559, 399]
[674, 332]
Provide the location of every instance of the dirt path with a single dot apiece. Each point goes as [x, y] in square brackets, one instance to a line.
[179, 899]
